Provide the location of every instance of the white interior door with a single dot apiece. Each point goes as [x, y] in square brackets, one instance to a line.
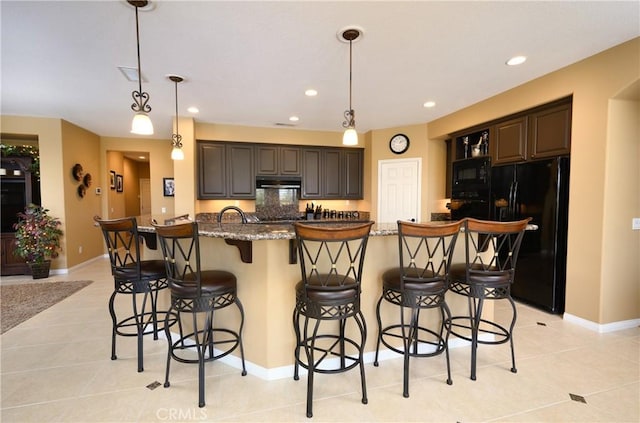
[145, 196]
[399, 190]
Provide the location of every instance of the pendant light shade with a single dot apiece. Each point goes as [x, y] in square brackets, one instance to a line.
[350, 136]
[176, 138]
[141, 123]
[177, 154]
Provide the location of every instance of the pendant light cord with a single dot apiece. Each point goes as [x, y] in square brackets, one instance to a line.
[350, 71]
[138, 44]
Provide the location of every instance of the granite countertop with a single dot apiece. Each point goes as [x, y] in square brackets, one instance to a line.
[262, 231]
[272, 231]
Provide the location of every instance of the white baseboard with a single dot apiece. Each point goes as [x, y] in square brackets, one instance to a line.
[601, 328]
[65, 271]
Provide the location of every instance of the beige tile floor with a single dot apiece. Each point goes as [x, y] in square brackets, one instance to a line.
[56, 367]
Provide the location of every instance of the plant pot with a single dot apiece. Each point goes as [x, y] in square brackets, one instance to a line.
[40, 270]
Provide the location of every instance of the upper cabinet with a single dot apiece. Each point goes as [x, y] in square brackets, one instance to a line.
[226, 170]
[278, 160]
[229, 169]
[550, 132]
[332, 173]
[510, 141]
[538, 134]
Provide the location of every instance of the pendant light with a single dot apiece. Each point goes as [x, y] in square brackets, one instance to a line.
[176, 139]
[141, 123]
[350, 136]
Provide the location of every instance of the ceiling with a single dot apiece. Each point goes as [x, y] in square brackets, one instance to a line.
[249, 63]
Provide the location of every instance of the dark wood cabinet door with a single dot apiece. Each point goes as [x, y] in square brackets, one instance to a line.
[550, 132]
[277, 160]
[267, 160]
[241, 177]
[290, 161]
[353, 173]
[510, 141]
[11, 264]
[333, 175]
[311, 173]
[212, 170]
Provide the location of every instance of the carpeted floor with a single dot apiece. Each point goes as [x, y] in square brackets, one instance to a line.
[22, 301]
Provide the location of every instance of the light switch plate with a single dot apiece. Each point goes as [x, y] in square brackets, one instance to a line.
[635, 223]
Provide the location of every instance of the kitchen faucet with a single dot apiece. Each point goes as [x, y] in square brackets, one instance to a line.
[238, 209]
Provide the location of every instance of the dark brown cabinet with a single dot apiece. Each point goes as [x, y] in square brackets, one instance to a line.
[225, 170]
[11, 264]
[229, 169]
[550, 132]
[278, 160]
[19, 188]
[332, 173]
[311, 173]
[354, 168]
[510, 141]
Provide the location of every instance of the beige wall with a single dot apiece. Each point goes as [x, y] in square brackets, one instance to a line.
[160, 166]
[593, 82]
[83, 241]
[620, 245]
[61, 145]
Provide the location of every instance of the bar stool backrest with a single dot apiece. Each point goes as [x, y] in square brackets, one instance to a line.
[123, 245]
[492, 248]
[426, 251]
[331, 258]
[181, 252]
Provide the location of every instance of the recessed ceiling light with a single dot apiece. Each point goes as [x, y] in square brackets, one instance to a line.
[294, 118]
[311, 93]
[429, 104]
[141, 157]
[516, 60]
[193, 109]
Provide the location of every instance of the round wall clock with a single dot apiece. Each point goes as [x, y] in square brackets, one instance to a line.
[399, 143]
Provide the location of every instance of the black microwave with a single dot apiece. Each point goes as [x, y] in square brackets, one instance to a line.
[471, 178]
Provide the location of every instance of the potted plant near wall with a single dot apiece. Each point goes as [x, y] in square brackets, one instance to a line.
[37, 239]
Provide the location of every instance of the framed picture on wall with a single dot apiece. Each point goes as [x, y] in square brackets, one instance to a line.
[168, 187]
[119, 183]
[112, 179]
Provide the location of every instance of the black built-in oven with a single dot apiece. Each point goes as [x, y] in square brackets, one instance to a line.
[471, 188]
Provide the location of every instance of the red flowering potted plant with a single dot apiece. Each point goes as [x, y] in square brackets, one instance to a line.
[37, 239]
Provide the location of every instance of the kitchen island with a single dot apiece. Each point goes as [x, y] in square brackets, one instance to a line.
[266, 288]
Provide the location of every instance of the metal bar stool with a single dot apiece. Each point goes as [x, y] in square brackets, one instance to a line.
[132, 276]
[331, 261]
[199, 293]
[419, 283]
[491, 251]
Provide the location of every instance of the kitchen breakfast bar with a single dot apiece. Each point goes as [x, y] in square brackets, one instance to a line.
[260, 255]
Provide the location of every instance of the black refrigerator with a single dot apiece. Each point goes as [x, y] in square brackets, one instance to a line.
[539, 190]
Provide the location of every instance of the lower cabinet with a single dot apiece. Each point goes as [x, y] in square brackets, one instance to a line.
[11, 264]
